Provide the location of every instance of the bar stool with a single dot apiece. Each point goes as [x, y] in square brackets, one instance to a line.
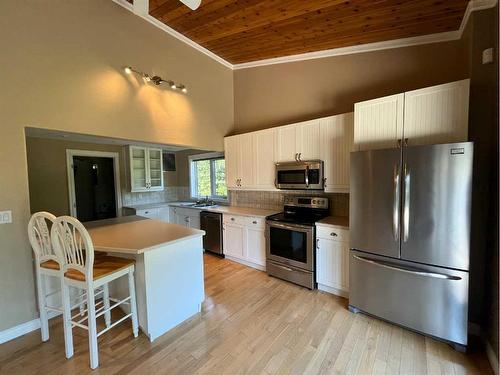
[75, 251]
[47, 265]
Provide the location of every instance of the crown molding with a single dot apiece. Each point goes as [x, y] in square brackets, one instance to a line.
[473, 5]
[174, 33]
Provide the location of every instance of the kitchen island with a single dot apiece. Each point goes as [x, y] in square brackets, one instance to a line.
[168, 270]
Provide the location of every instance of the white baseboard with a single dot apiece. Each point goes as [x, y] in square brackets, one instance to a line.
[246, 263]
[331, 290]
[492, 357]
[24, 328]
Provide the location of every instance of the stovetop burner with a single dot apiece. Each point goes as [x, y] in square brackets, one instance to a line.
[302, 210]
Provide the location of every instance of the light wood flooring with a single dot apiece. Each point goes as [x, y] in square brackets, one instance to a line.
[254, 324]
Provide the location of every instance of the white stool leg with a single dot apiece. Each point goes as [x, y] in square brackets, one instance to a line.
[133, 305]
[68, 333]
[82, 306]
[44, 321]
[92, 325]
[105, 299]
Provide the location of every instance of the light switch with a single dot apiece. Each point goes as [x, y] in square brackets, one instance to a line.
[5, 217]
[488, 56]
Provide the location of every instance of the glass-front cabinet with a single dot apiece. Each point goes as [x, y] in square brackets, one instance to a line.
[146, 169]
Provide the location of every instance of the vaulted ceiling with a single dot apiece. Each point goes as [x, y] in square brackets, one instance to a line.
[247, 30]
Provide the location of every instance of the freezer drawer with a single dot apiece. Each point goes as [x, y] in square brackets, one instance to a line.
[431, 300]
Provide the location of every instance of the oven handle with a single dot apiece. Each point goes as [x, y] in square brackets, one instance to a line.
[289, 226]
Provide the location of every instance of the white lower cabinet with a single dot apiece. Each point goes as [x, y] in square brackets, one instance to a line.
[185, 216]
[244, 240]
[150, 213]
[332, 260]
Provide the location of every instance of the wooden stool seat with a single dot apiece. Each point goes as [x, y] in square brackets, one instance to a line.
[50, 264]
[53, 265]
[103, 266]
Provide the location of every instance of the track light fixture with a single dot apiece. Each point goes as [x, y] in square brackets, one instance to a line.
[157, 80]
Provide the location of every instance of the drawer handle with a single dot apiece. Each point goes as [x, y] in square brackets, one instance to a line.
[146, 212]
[283, 267]
[254, 222]
[333, 234]
[232, 219]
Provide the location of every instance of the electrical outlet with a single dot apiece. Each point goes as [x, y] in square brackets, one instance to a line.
[488, 56]
[5, 217]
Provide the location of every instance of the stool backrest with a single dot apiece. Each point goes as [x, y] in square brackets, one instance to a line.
[39, 236]
[73, 245]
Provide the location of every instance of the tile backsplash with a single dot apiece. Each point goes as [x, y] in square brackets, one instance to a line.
[339, 203]
[169, 194]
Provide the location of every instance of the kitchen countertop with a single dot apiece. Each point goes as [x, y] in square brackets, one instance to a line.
[148, 206]
[136, 235]
[338, 221]
[243, 211]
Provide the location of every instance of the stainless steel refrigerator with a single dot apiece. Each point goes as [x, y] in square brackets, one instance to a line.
[410, 237]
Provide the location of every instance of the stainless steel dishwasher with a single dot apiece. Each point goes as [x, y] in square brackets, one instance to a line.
[211, 223]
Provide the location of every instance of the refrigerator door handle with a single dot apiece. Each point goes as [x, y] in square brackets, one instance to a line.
[411, 271]
[406, 204]
[395, 208]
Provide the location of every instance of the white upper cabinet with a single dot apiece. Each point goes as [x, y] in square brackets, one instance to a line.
[308, 140]
[437, 114]
[378, 123]
[232, 156]
[286, 143]
[246, 160]
[298, 141]
[264, 159]
[432, 115]
[146, 169]
[336, 134]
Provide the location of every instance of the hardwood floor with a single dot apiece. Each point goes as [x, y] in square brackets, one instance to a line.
[254, 324]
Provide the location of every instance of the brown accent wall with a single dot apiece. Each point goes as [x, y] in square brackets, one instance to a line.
[483, 130]
[278, 94]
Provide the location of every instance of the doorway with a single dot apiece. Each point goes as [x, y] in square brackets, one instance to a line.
[93, 185]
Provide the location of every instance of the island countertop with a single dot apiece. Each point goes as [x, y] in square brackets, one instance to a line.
[136, 235]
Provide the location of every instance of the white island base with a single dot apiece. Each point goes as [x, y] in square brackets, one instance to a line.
[168, 276]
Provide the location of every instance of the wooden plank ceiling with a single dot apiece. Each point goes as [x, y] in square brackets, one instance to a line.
[247, 30]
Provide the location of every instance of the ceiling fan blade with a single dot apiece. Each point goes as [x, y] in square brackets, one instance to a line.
[192, 4]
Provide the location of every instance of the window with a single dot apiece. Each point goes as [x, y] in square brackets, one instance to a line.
[208, 176]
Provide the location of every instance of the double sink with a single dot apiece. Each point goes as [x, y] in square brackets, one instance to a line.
[199, 205]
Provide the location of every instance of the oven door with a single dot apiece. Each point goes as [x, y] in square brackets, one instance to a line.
[307, 175]
[290, 244]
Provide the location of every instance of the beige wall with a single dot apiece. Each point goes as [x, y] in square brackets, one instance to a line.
[61, 69]
[285, 93]
[48, 182]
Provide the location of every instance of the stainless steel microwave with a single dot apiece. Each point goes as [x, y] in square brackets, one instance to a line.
[301, 175]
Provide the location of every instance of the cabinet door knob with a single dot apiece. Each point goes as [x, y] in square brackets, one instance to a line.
[146, 212]
[333, 234]
[232, 219]
[254, 222]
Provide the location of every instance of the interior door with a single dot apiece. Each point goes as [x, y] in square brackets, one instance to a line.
[436, 204]
[375, 185]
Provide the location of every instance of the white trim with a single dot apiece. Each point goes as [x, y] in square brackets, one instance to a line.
[336, 291]
[492, 358]
[71, 178]
[175, 34]
[473, 5]
[23, 328]
[208, 155]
